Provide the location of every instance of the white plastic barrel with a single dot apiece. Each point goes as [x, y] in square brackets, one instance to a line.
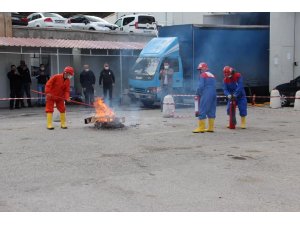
[56, 114]
[297, 101]
[168, 106]
[275, 102]
[196, 102]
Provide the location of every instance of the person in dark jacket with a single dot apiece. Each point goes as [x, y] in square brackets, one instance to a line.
[15, 82]
[26, 82]
[166, 81]
[108, 79]
[87, 81]
[42, 77]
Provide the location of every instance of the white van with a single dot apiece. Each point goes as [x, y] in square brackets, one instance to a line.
[137, 23]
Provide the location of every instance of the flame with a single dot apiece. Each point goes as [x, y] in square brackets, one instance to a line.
[103, 112]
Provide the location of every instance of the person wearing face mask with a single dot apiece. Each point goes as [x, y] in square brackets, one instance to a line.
[87, 81]
[108, 79]
[57, 91]
[234, 88]
[166, 80]
[208, 99]
[42, 77]
[26, 82]
[15, 81]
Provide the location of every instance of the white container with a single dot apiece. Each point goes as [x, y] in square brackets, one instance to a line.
[196, 102]
[297, 101]
[56, 114]
[275, 102]
[168, 106]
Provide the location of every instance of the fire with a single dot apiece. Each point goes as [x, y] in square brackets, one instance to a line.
[103, 112]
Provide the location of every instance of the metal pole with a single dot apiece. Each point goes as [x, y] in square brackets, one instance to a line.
[121, 72]
[193, 57]
[57, 60]
[294, 59]
[40, 56]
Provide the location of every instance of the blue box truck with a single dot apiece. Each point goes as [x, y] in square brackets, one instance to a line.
[245, 48]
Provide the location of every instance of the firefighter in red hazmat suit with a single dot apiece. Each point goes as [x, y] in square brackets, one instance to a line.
[58, 90]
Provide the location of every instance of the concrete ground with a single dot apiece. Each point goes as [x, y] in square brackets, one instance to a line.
[154, 164]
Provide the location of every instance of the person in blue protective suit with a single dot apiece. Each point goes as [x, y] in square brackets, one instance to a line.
[208, 99]
[234, 88]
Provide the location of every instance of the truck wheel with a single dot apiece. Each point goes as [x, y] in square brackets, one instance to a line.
[248, 93]
[133, 100]
[148, 104]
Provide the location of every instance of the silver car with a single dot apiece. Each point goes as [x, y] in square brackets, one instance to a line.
[86, 22]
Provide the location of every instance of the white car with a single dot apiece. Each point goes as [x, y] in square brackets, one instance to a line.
[85, 22]
[137, 23]
[46, 19]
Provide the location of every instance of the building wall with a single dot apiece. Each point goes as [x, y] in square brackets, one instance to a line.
[52, 33]
[57, 66]
[5, 24]
[297, 46]
[6, 60]
[282, 47]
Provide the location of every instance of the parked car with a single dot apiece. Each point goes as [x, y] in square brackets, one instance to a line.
[137, 23]
[47, 20]
[86, 22]
[18, 19]
[288, 89]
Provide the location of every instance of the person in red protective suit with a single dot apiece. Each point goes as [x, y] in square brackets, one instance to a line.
[58, 90]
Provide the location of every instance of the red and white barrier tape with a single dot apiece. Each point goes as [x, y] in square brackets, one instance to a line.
[76, 102]
[251, 96]
[6, 99]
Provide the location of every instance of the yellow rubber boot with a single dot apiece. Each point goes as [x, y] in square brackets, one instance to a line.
[211, 123]
[243, 122]
[49, 121]
[63, 121]
[201, 127]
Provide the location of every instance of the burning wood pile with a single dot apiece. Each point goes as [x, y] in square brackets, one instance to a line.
[104, 117]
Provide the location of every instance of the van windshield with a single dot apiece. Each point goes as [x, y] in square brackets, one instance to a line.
[145, 68]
